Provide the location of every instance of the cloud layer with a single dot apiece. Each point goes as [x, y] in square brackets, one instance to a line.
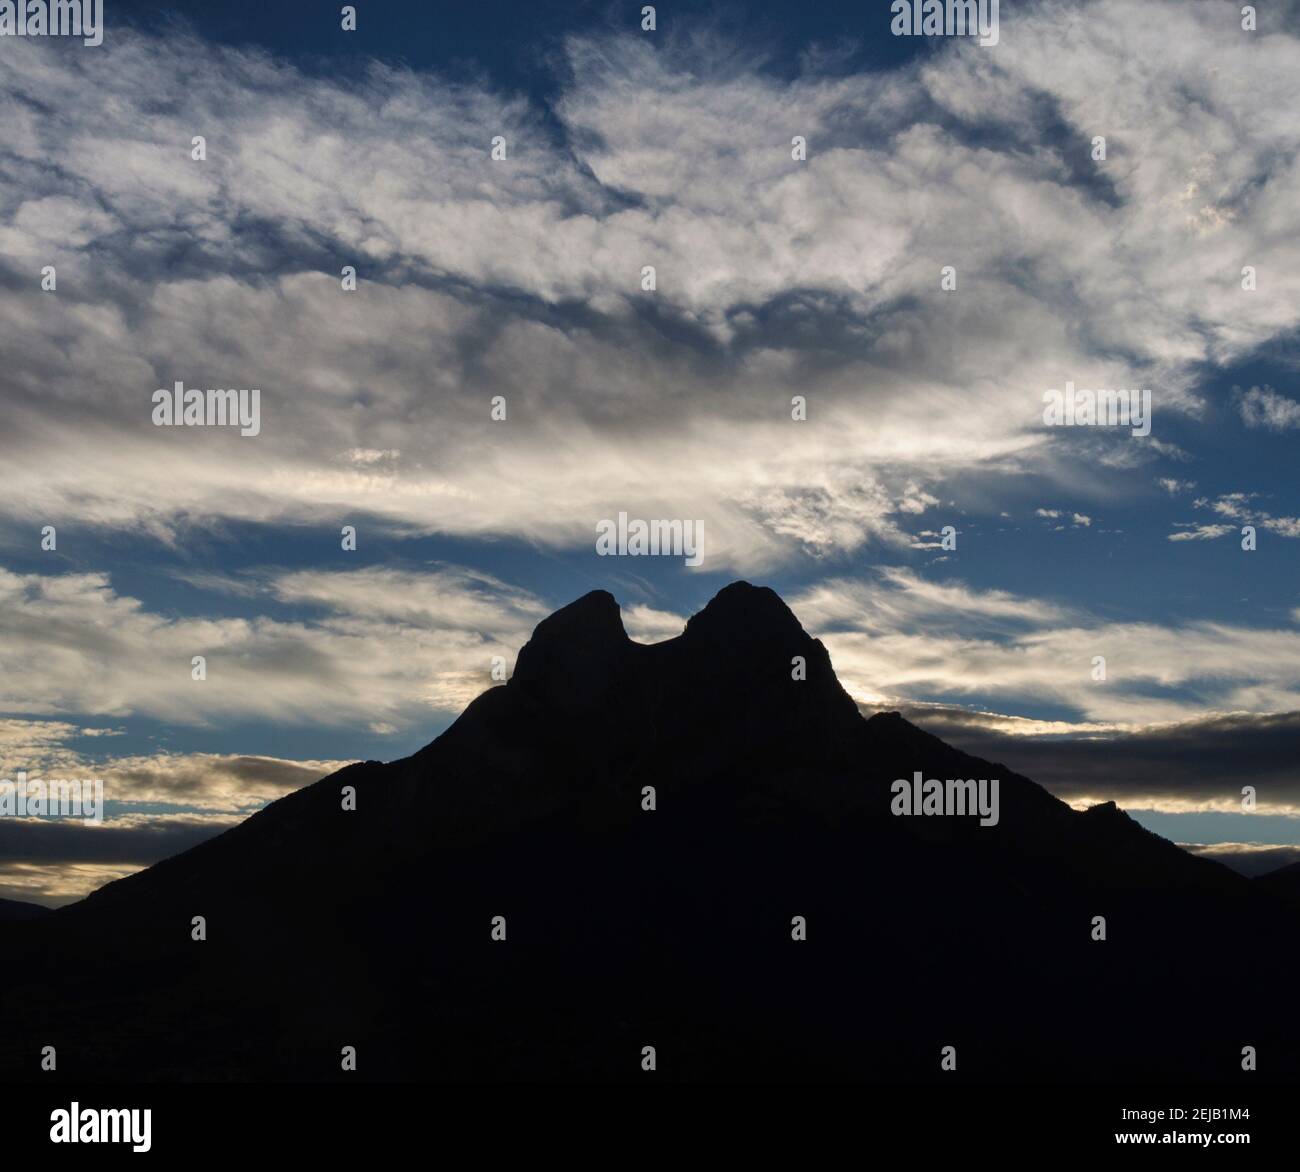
[523, 277]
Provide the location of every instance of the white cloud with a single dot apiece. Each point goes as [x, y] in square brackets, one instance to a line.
[645, 624]
[389, 646]
[41, 744]
[902, 637]
[1239, 507]
[523, 279]
[1264, 407]
[1200, 532]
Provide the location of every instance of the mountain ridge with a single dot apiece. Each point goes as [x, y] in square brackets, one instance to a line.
[771, 798]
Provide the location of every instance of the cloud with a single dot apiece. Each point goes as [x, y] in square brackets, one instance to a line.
[1248, 858]
[645, 624]
[120, 842]
[1231, 504]
[41, 744]
[1200, 532]
[212, 782]
[902, 637]
[54, 883]
[523, 278]
[1079, 520]
[1240, 508]
[901, 598]
[1196, 765]
[385, 645]
[1141, 737]
[55, 861]
[1282, 526]
[1264, 407]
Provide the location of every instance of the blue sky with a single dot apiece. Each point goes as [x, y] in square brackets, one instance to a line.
[522, 278]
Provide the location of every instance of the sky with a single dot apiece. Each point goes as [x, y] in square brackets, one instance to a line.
[520, 281]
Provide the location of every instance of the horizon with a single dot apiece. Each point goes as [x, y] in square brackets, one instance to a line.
[1072, 787]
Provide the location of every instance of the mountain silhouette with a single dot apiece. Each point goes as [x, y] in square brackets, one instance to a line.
[1285, 880]
[670, 927]
[13, 909]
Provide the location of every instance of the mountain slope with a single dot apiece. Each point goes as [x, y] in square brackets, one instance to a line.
[669, 927]
[1283, 880]
[12, 910]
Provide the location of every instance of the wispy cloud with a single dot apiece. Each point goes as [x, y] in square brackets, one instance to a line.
[1264, 407]
[523, 278]
[901, 637]
[386, 646]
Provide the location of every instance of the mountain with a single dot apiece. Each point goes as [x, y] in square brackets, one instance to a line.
[1283, 880]
[12, 910]
[668, 927]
